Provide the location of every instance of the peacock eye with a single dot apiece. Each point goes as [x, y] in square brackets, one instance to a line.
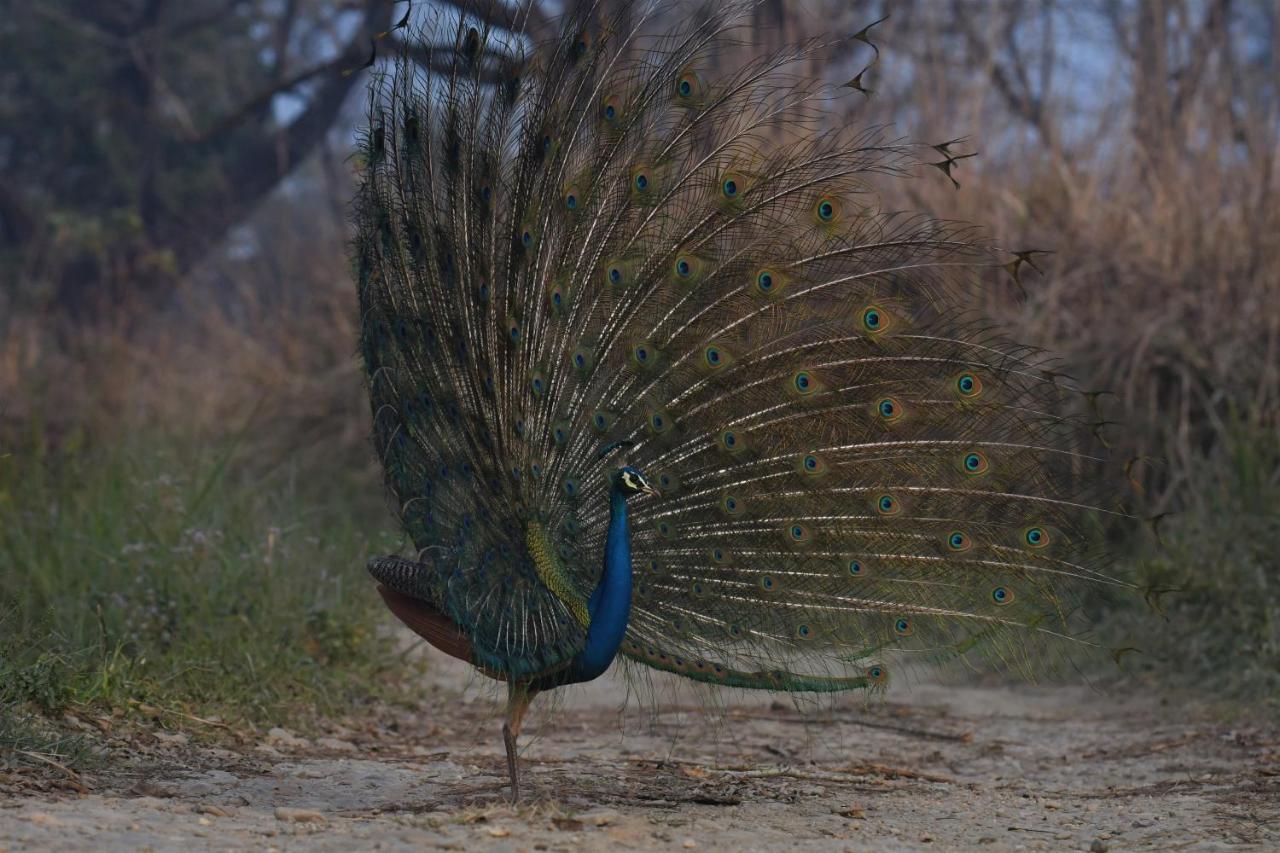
[889, 409]
[1001, 595]
[811, 463]
[975, 463]
[642, 181]
[827, 210]
[571, 201]
[615, 275]
[855, 568]
[686, 88]
[730, 188]
[1037, 537]
[872, 320]
[958, 541]
[683, 268]
[968, 385]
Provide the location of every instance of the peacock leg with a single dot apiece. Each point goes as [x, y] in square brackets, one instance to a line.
[518, 699]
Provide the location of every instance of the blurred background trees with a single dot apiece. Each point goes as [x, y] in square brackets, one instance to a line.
[173, 188]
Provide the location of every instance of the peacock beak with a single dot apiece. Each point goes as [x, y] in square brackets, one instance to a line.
[650, 490]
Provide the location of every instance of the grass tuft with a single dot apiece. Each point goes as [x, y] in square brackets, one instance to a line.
[166, 573]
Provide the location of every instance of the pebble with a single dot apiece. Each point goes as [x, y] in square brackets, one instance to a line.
[689, 844]
[298, 815]
[283, 737]
[1098, 846]
[599, 818]
[336, 744]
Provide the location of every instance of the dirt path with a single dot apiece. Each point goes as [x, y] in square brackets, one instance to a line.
[995, 768]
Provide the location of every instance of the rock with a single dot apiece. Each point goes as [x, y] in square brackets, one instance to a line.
[336, 744]
[298, 815]
[688, 844]
[285, 738]
[499, 831]
[211, 809]
[603, 818]
[1098, 846]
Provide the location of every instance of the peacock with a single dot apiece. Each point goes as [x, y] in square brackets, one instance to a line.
[654, 373]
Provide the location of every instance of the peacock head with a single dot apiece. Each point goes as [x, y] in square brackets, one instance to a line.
[629, 481]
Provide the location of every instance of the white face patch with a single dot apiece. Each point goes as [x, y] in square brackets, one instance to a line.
[630, 481]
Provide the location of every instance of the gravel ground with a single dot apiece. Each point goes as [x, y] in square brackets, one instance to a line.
[930, 767]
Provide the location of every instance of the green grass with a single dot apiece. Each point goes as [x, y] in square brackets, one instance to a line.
[1215, 579]
[189, 578]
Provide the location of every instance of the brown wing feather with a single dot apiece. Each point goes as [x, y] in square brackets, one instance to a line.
[428, 623]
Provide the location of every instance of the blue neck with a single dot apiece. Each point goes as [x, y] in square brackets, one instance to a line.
[610, 603]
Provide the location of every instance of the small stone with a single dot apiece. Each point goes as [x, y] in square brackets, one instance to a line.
[204, 821]
[1098, 846]
[599, 818]
[499, 831]
[298, 815]
[688, 844]
[336, 744]
[283, 737]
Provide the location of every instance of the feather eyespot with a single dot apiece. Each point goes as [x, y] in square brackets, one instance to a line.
[877, 674]
[1036, 537]
[1002, 595]
[827, 209]
[903, 627]
[731, 441]
[958, 540]
[571, 200]
[803, 383]
[811, 465]
[601, 420]
[560, 432]
[719, 556]
[731, 505]
[688, 87]
[889, 410]
[571, 487]
[856, 568]
[581, 359]
[641, 181]
[614, 274]
[713, 357]
[888, 505]
[659, 422]
[803, 632]
[611, 109]
[968, 385]
[798, 534]
[975, 463]
[767, 583]
[874, 319]
[687, 268]
[538, 384]
[582, 43]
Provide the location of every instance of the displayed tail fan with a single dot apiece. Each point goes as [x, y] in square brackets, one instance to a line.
[610, 241]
